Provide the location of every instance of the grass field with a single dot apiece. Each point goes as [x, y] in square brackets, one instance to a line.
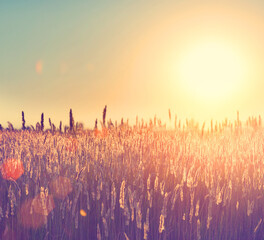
[133, 182]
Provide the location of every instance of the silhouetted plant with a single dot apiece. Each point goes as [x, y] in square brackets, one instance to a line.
[42, 121]
[104, 115]
[10, 126]
[71, 122]
[23, 121]
[38, 127]
[50, 123]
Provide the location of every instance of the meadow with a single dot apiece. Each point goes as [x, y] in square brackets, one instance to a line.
[133, 182]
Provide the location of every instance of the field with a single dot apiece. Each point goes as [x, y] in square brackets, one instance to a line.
[133, 182]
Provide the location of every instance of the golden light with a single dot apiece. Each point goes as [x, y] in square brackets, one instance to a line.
[83, 213]
[12, 169]
[39, 67]
[211, 70]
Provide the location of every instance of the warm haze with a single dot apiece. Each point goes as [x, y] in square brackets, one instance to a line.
[202, 60]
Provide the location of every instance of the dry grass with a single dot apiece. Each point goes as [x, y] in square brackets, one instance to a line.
[137, 182]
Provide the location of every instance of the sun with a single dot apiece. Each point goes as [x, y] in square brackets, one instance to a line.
[211, 70]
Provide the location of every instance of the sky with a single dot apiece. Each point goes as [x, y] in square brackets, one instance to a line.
[140, 58]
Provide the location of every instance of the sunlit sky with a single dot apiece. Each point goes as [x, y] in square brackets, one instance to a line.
[140, 58]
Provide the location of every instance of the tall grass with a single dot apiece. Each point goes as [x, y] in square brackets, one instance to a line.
[135, 182]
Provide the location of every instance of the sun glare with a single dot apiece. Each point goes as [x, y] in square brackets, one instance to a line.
[211, 71]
